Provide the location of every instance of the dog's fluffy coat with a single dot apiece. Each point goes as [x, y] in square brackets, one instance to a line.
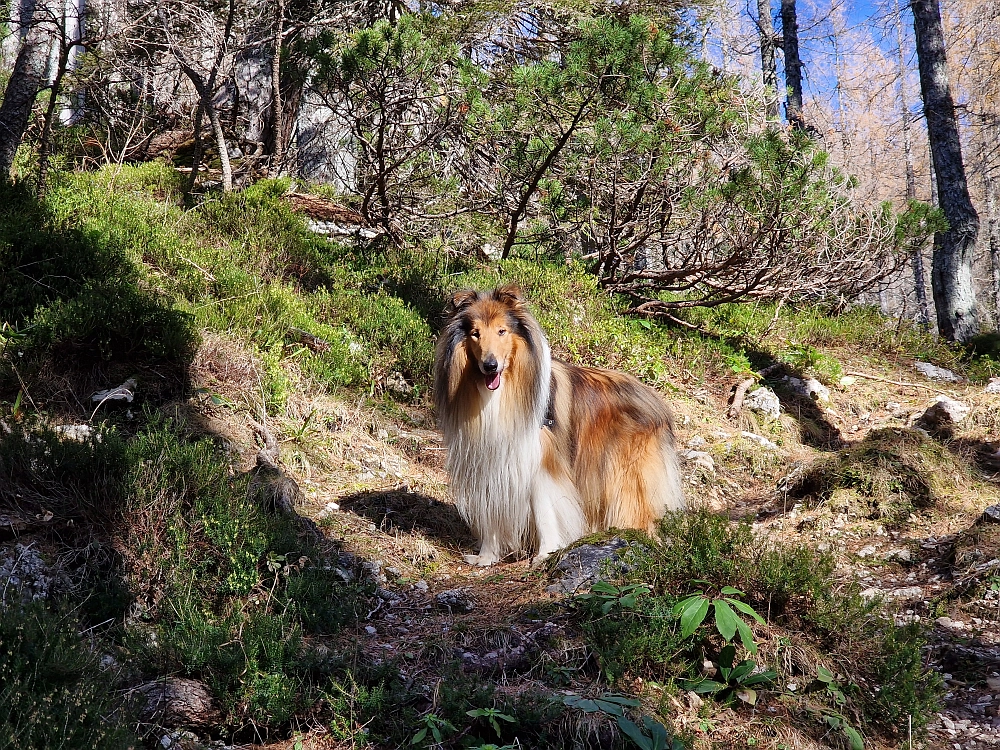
[542, 452]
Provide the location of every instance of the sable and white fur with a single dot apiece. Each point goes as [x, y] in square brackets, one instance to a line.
[542, 452]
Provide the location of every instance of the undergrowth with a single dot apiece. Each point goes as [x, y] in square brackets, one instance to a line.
[811, 623]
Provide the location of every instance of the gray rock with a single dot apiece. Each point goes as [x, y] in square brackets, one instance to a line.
[901, 555]
[810, 388]
[125, 393]
[936, 373]
[944, 412]
[455, 600]
[762, 441]
[177, 701]
[991, 514]
[583, 566]
[763, 401]
[701, 460]
[993, 386]
[696, 442]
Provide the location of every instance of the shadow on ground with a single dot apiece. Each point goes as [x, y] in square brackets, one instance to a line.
[411, 511]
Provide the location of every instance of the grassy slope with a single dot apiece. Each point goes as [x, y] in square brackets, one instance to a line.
[187, 575]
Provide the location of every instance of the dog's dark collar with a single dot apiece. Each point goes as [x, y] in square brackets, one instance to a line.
[550, 411]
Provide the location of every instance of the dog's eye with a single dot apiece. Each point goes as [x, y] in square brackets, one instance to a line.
[501, 332]
[474, 335]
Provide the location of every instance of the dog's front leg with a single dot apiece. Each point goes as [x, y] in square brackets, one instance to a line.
[558, 515]
[489, 552]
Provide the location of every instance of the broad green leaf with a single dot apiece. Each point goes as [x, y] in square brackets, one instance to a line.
[855, 739]
[824, 675]
[658, 732]
[588, 706]
[742, 671]
[628, 601]
[725, 619]
[606, 607]
[685, 603]
[746, 636]
[693, 616]
[609, 708]
[621, 700]
[727, 656]
[746, 609]
[603, 587]
[747, 695]
[730, 591]
[635, 734]
[419, 736]
[761, 678]
[833, 721]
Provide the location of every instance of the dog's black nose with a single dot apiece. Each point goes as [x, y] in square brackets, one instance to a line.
[490, 365]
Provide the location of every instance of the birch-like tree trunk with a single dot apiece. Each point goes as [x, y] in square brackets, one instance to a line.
[26, 80]
[951, 268]
[277, 112]
[793, 64]
[917, 256]
[768, 64]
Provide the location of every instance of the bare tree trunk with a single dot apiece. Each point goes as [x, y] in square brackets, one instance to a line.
[45, 141]
[993, 237]
[196, 151]
[793, 64]
[768, 64]
[277, 112]
[206, 89]
[917, 256]
[26, 80]
[951, 270]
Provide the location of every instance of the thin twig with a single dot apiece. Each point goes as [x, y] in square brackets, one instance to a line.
[857, 374]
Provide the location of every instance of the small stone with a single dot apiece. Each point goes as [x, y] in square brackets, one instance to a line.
[370, 629]
[701, 460]
[993, 683]
[763, 401]
[891, 406]
[867, 551]
[762, 441]
[848, 380]
[696, 442]
[936, 373]
[902, 555]
[992, 514]
[944, 622]
[810, 388]
[455, 600]
[421, 586]
[944, 412]
[993, 386]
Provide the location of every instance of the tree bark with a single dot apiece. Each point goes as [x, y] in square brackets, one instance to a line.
[951, 268]
[26, 80]
[277, 112]
[206, 89]
[768, 65]
[917, 256]
[993, 236]
[793, 64]
[45, 141]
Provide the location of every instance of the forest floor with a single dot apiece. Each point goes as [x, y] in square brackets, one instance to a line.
[376, 486]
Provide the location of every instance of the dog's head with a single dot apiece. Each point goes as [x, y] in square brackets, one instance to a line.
[491, 323]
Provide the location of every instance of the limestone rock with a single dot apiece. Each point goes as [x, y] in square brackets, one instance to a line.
[810, 388]
[936, 373]
[455, 600]
[583, 566]
[945, 412]
[177, 701]
[763, 401]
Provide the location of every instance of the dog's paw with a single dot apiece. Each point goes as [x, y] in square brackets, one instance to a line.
[483, 561]
[539, 560]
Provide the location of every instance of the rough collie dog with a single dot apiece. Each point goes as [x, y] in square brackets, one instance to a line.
[542, 452]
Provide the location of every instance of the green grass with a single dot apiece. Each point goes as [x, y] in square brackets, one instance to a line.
[53, 690]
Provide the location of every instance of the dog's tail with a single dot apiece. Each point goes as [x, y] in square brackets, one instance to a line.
[667, 487]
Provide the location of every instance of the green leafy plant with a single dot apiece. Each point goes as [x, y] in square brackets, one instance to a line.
[610, 596]
[838, 723]
[433, 725]
[693, 610]
[491, 715]
[736, 680]
[614, 705]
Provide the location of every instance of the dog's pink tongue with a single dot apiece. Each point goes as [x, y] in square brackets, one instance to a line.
[493, 382]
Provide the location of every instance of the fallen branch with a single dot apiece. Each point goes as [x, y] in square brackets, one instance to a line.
[892, 382]
[741, 392]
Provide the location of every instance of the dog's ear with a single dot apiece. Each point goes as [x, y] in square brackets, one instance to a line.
[459, 301]
[509, 294]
